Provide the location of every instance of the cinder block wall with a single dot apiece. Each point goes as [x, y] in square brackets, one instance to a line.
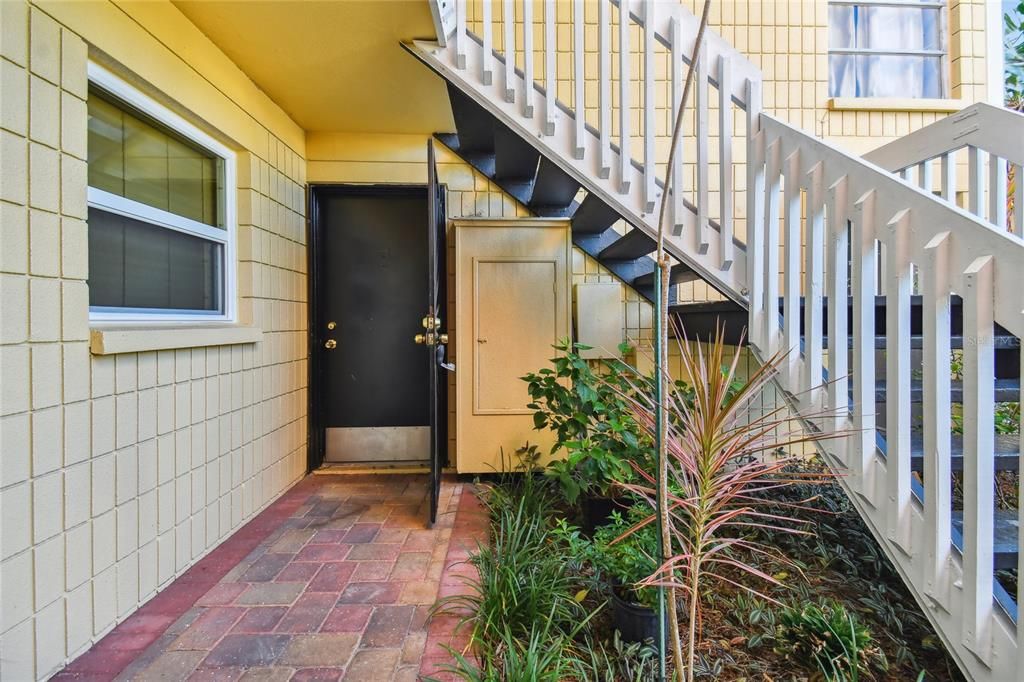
[118, 472]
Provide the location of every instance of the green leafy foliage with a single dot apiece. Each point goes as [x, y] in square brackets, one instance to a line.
[521, 578]
[615, 555]
[589, 413]
[629, 558]
[531, 607]
[829, 637]
[1006, 415]
[842, 546]
[544, 655]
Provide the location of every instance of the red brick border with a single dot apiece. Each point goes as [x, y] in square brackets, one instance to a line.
[470, 528]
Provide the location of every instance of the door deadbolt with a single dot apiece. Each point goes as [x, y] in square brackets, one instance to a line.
[332, 324]
[331, 344]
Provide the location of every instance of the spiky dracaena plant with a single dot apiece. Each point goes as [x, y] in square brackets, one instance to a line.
[722, 460]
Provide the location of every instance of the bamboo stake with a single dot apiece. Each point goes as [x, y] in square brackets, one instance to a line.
[661, 362]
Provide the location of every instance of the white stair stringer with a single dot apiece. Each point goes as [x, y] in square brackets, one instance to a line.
[560, 149]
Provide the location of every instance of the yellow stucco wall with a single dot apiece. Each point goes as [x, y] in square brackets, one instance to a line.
[118, 472]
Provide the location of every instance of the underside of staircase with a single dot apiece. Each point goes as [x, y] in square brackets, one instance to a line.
[536, 182]
[917, 276]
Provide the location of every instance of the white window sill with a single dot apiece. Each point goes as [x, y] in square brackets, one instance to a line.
[895, 104]
[113, 338]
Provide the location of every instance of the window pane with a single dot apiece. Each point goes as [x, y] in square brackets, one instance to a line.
[145, 164]
[106, 147]
[841, 26]
[134, 157]
[133, 264]
[895, 28]
[885, 76]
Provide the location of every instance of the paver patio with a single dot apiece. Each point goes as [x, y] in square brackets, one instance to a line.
[333, 581]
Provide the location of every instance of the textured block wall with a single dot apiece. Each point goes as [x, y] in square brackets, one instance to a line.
[118, 472]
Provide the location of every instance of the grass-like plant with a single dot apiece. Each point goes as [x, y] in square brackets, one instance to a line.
[721, 460]
[546, 654]
[828, 637]
[521, 581]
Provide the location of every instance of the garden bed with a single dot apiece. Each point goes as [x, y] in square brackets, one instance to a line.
[777, 577]
[743, 637]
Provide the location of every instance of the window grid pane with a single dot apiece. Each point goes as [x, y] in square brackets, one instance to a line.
[136, 265]
[135, 158]
[885, 51]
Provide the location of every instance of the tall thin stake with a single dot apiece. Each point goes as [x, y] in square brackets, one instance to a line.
[663, 548]
[661, 365]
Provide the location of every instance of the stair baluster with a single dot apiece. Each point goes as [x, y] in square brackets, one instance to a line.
[725, 189]
[625, 110]
[550, 70]
[579, 79]
[649, 109]
[935, 415]
[979, 472]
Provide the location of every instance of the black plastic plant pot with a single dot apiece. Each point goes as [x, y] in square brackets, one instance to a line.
[597, 512]
[635, 622]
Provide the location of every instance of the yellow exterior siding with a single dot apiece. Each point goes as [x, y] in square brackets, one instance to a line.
[118, 472]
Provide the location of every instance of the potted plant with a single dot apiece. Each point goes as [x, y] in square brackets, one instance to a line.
[586, 406]
[624, 560]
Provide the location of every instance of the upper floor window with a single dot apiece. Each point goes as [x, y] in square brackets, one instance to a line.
[887, 48]
[161, 233]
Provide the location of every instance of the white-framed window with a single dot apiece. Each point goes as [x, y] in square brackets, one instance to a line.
[161, 211]
[887, 48]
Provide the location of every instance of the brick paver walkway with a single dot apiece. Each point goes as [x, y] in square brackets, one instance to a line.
[333, 581]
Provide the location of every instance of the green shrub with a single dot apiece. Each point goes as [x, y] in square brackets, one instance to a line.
[522, 580]
[613, 556]
[830, 638]
[590, 416]
[632, 558]
[541, 656]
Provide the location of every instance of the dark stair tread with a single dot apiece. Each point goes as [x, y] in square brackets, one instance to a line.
[1007, 452]
[593, 216]
[553, 191]
[515, 160]
[1006, 390]
[630, 246]
[1005, 530]
[473, 123]
[680, 272]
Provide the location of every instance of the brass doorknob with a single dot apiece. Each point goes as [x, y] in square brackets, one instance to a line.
[442, 339]
[331, 344]
[420, 339]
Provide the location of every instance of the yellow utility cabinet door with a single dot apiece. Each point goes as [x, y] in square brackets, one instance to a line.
[511, 306]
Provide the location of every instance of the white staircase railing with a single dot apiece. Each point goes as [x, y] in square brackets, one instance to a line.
[992, 138]
[618, 151]
[850, 207]
[796, 185]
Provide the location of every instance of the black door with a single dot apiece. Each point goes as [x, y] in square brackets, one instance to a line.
[373, 395]
[435, 360]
